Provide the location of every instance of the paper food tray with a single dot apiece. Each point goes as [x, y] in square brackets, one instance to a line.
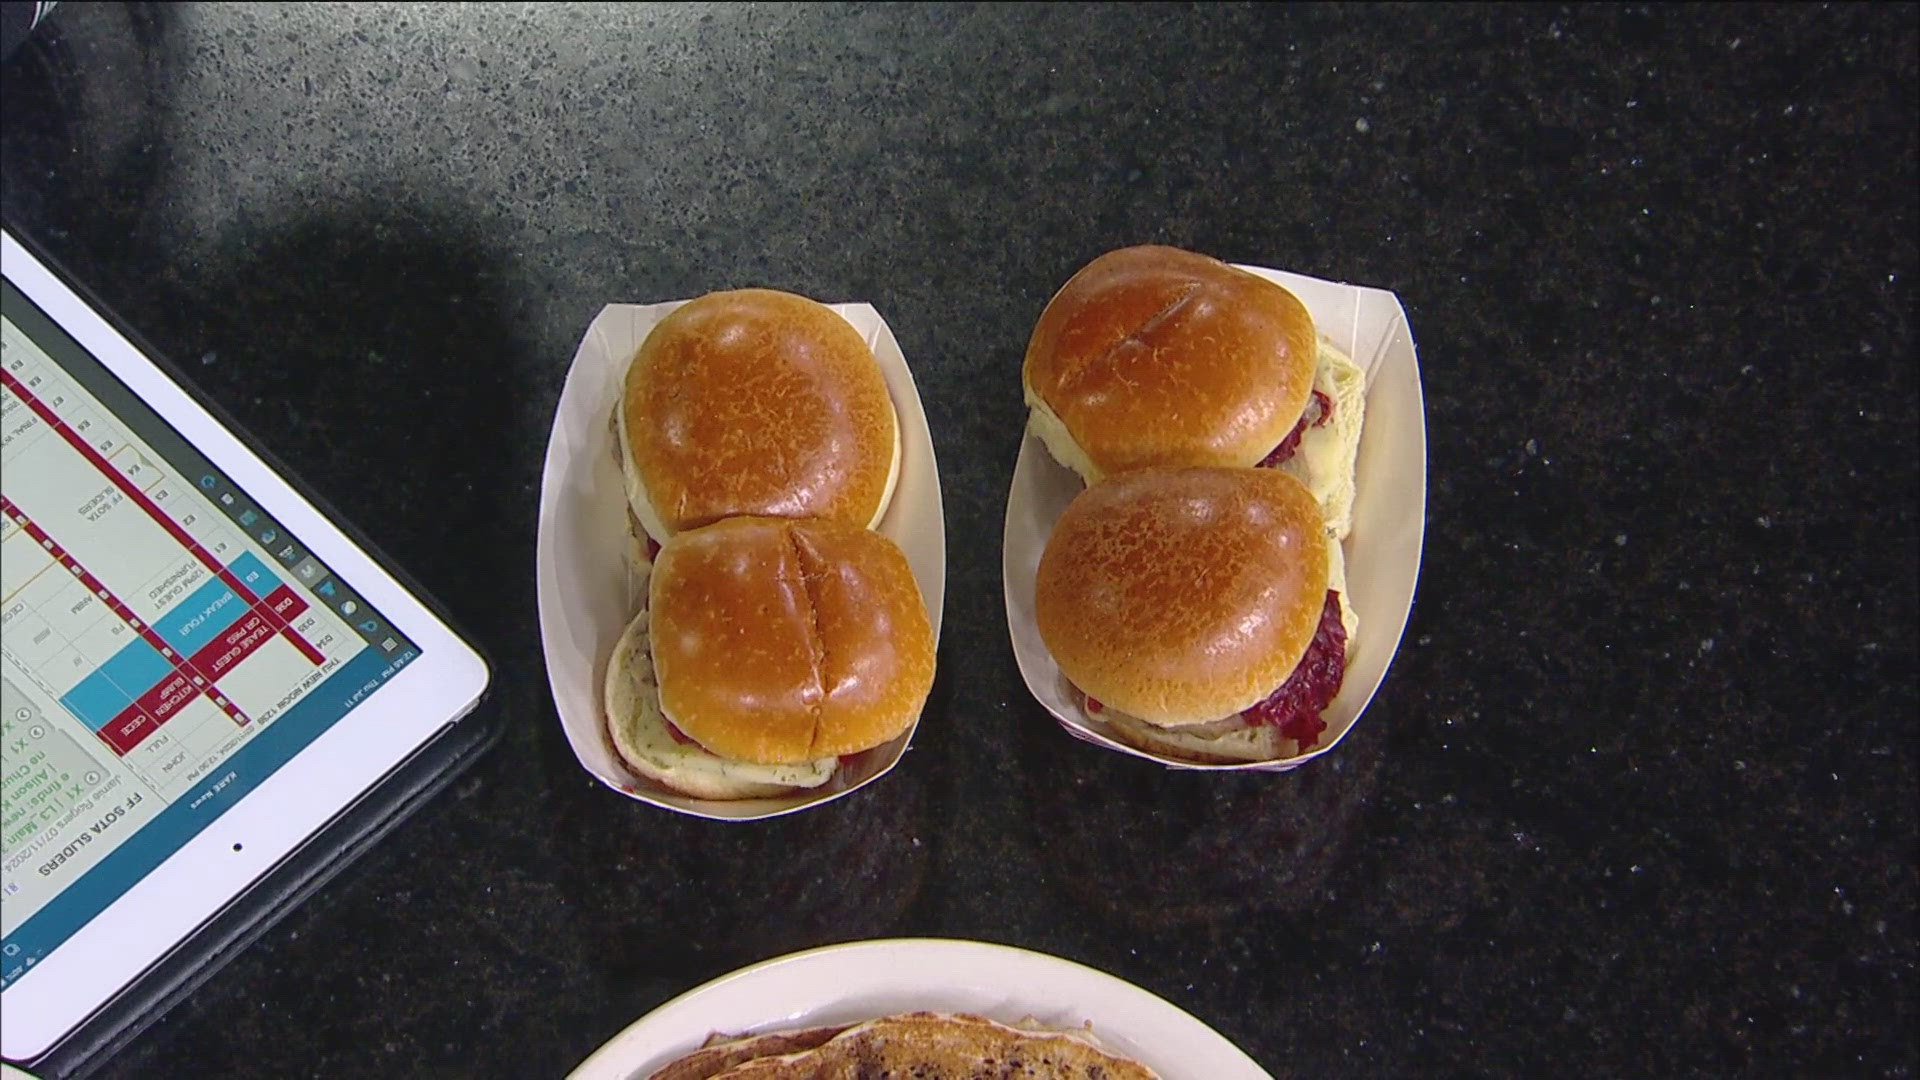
[586, 590]
[1382, 552]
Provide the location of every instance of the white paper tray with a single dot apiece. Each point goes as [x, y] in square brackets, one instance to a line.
[1383, 551]
[586, 596]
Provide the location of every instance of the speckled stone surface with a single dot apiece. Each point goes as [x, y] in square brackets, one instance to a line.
[1638, 795]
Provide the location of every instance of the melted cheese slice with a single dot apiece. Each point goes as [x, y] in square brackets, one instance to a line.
[1325, 459]
[1325, 464]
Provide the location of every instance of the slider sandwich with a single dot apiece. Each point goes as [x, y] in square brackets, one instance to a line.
[1157, 356]
[768, 651]
[1200, 611]
[1218, 430]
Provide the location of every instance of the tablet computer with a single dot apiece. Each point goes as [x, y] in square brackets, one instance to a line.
[210, 692]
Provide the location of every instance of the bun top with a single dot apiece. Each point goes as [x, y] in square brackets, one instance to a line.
[777, 641]
[1182, 596]
[756, 402]
[1158, 356]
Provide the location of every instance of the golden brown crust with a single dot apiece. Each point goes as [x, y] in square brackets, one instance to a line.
[757, 402]
[944, 1045]
[876, 660]
[1182, 596]
[721, 1054]
[1157, 356]
[780, 641]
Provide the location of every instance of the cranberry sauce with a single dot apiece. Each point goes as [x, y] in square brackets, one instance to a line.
[1319, 410]
[1288, 446]
[1296, 706]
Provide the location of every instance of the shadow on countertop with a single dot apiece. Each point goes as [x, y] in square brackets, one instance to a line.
[1153, 848]
[371, 343]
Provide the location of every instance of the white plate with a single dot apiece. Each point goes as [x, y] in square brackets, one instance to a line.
[1383, 552]
[863, 980]
[585, 592]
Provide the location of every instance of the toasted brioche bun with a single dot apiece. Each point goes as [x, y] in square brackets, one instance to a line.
[756, 402]
[638, 731]
[935, 1045]
[1231, 741]
[779, 641]
[1182, 596]
[1158, 356]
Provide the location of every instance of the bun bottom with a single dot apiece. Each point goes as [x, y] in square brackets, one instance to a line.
[637, 729]
[1261, 742]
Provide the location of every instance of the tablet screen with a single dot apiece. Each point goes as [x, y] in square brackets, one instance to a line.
[166, 645]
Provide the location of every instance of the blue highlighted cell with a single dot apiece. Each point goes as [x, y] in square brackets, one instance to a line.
[254, 574]
[136, 668]
[101, 696]
[201, 617]
[96, 700]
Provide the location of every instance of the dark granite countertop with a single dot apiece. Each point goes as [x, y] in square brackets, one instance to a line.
[1636, 798]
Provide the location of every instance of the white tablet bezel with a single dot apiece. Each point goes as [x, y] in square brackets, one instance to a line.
[271, 822]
